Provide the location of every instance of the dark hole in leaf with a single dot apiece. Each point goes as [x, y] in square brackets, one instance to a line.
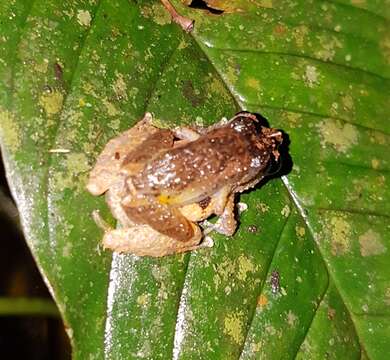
[201, 4]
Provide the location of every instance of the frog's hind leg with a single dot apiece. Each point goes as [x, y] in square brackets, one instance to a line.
[109, 162]
[164, 219]
[142, 240]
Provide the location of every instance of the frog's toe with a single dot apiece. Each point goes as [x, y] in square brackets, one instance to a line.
[186, 133]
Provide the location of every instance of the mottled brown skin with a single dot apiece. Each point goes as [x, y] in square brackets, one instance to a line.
[221, 157]
[159, 187]
[167, 220]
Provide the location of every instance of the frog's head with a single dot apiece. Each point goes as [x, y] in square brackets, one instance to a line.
[264, 138]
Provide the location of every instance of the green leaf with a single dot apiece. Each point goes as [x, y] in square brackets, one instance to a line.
[306, 275]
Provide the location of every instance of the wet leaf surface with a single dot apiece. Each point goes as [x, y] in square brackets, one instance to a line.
[306, 275]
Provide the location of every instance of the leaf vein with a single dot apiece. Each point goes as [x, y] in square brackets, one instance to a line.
[324, 116]
[307, 57]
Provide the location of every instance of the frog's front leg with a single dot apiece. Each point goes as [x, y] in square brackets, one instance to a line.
[226, 223]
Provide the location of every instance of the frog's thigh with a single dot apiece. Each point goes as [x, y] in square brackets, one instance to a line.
[108, 163]
[226, 224]
[162, 218]
[142, 240]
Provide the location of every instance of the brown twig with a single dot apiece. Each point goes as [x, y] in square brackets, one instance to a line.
[185, 23]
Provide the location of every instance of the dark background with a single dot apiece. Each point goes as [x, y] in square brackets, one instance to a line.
[24, 337]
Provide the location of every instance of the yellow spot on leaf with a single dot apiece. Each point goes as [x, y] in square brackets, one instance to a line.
[375, 163]
[157, 13]
[266, 4]
[9, 130]
[299, 34]
[75, 172]
[262, 207]
[142, 299]
[340, 236]
[233, 326]
[385, 47]
[51, 102]
[253, 83]
[370, 244]
[42, 66]
[329, 45]
[183, 44]
[294, 119]
[111, 109]
[347, 101]
[300, 231]
[244, 266]
[120, 87]
[285, 211]
[84, 17]
[81, 102]
[387, 296]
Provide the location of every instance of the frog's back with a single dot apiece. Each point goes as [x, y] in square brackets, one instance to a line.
[221, 157]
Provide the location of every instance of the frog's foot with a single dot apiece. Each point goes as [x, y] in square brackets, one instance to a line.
[222, 199]
[100, 222]
[186, 133]
[226, 224]
[142, 240]
[185, 23]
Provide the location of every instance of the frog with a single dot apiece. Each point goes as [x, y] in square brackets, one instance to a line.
[162, 185]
